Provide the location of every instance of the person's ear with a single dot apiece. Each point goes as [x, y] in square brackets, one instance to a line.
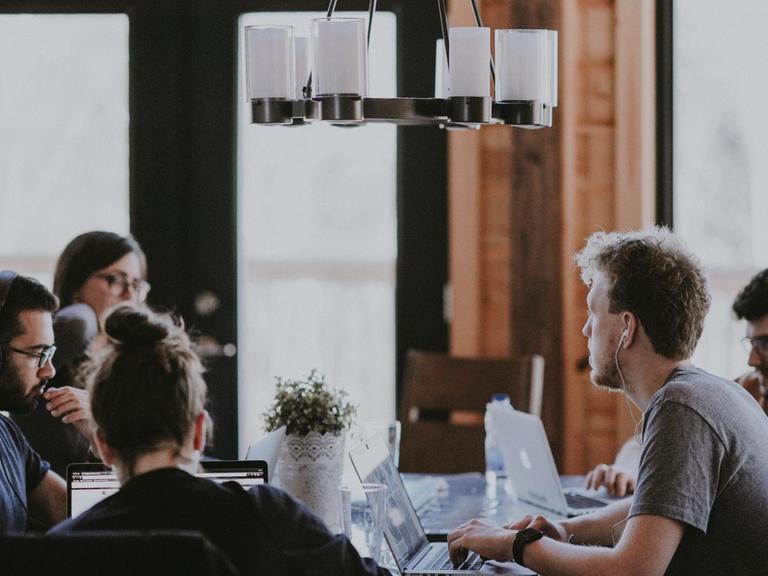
[103, 451]
[198, 442]
[630, 326]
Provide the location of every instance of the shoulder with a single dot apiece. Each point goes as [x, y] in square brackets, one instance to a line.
[10, 430]
[699, 390]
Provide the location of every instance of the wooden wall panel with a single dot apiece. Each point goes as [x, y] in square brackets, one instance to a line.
[530, 198]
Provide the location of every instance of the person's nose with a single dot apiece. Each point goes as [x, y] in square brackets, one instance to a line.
[755, 360]
[47, 371]
[586, 330]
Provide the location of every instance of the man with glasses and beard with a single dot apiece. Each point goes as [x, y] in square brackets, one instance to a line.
[31, 496]
[752, 305]
[701, 503]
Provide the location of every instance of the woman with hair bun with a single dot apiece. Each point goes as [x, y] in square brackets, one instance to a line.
[147, 398]
[96, 270]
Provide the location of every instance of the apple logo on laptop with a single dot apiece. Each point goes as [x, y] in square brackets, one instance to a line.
[525, 459]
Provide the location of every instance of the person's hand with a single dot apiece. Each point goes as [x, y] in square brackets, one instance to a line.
[73, 406]
[488, 540]
[551, 529]
[754, 383]
[616, 480]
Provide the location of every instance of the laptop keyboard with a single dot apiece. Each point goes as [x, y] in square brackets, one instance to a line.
[580, 502]
[443, 562]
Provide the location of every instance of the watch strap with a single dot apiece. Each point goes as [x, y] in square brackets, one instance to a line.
[522, 539]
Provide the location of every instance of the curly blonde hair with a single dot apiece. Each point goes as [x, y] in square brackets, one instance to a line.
[654, 276]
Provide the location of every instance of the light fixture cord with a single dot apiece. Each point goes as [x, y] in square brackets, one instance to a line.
[371, 10]
[444, 28]
[479, 22]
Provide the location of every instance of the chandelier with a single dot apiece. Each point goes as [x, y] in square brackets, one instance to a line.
[294, 80]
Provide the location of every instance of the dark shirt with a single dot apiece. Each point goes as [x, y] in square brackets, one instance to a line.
[263, 531]
[61, 444]
[21, 470]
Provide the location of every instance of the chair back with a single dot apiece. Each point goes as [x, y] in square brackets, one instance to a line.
[117, 553]
[444, 403]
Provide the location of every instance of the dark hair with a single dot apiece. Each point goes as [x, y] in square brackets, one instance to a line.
[89, 253]
[654, 276]
[147, 385]
[752, 301]
[24, 294]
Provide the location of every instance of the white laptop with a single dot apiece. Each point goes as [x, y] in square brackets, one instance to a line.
[268, 449]
[88, 484]
[531, 467]
[413, 553]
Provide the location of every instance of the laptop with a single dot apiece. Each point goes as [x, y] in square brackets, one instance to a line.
[268, 449]
[88, 484]
[412, 552]
[531, 468]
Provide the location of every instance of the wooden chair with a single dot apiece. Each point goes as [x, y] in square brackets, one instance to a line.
[444, 402]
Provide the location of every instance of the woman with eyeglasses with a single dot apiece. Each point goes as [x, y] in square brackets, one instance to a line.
[96, 271]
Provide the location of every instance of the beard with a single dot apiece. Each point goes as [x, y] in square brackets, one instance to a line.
[12, 397]
[605, 373]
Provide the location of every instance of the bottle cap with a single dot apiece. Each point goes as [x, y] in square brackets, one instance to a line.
[499, 397]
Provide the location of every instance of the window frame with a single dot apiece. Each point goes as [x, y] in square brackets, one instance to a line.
[183, 177]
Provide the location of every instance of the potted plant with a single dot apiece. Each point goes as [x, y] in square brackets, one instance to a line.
[311, 459]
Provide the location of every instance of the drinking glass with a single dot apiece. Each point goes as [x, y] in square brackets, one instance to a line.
[363, 514]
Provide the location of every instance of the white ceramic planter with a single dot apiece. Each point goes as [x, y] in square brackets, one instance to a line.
[309, 468]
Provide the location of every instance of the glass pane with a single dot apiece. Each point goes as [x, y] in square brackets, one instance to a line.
[721, 176]
[318, 228]
[63, 133]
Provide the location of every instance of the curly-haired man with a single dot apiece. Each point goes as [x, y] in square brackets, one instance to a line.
[752, 305]
[701, 503]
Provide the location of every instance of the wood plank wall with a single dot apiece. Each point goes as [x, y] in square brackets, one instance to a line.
[522, 202]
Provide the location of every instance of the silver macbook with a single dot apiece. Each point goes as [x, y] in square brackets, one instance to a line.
[413, 553]
[531, 467]
[88, 484]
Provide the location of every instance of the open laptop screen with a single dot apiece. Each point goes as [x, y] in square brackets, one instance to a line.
[88, 484]
[403, 530]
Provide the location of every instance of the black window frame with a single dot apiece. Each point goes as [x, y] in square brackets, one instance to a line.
[182, 170]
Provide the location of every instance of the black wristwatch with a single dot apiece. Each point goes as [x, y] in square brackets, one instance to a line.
[523, 538]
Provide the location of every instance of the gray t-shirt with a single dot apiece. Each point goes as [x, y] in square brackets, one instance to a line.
[705, 463]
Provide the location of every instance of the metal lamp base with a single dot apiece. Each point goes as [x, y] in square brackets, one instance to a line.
[272, 111]
[523, 113]
[469, 110]
[340, 108]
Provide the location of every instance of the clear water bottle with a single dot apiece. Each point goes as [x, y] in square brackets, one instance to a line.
[494, 462]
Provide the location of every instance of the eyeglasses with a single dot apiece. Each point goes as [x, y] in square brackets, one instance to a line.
[44, 356]
[119, 284]
[759, 344]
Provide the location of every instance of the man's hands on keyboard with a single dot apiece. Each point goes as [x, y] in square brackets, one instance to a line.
[488, 540]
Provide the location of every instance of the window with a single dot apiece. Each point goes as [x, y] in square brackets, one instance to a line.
[720, 144]
[63, 134]
[318, 247]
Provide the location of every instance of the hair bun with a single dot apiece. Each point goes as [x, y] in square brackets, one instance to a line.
[132, 326]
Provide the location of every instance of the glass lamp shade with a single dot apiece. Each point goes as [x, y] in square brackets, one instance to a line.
[302, 67]
[526, 65]
[442, 76]
[340, 57]
[470, 72]
[269, 62]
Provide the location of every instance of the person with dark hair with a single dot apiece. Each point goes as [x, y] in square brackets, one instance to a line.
[96, 271]
[148, 398]
[752, 305]
[31, 496]
[701, 502]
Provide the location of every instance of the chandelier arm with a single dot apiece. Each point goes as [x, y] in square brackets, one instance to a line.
[479, 22]
[371, 11]
[444, 29]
